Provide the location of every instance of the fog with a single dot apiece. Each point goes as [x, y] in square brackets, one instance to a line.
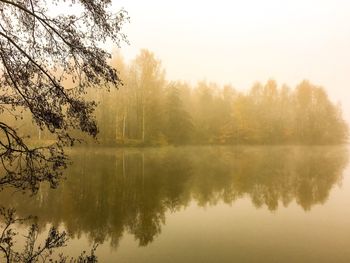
[240, 42]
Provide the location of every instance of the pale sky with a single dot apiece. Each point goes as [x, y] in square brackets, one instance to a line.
[244, 41]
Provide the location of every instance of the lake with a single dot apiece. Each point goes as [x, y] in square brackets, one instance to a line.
[201, 204]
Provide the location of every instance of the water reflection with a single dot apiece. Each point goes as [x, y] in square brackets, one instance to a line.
[110, 192]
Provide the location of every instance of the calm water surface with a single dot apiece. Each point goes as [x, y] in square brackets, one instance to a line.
[202, 204]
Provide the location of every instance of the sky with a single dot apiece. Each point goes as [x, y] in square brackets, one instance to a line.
[244, 41]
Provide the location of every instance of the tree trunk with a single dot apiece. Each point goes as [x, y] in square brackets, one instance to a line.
[143, 123]
[124, 122]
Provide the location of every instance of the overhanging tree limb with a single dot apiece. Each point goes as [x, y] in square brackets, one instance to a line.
[34, 48]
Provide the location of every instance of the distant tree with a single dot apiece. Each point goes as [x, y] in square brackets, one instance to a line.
[178, 123]
[205, 111]
[271, 115]
[39, 53]
[318, 120]
[150, 82]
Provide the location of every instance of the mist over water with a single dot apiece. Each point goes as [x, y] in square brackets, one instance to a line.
[113, 197]
[174, 131]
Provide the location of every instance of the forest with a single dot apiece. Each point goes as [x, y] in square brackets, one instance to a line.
[148, 109]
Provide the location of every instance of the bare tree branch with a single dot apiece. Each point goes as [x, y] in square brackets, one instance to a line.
[38, 52]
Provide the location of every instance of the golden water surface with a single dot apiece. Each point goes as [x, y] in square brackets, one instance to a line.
[201, 204]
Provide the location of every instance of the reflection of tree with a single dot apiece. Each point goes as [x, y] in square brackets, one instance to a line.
[110, 193]
[32, 251]
[305, 174]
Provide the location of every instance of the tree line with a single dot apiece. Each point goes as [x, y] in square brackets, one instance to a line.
[151, 110]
